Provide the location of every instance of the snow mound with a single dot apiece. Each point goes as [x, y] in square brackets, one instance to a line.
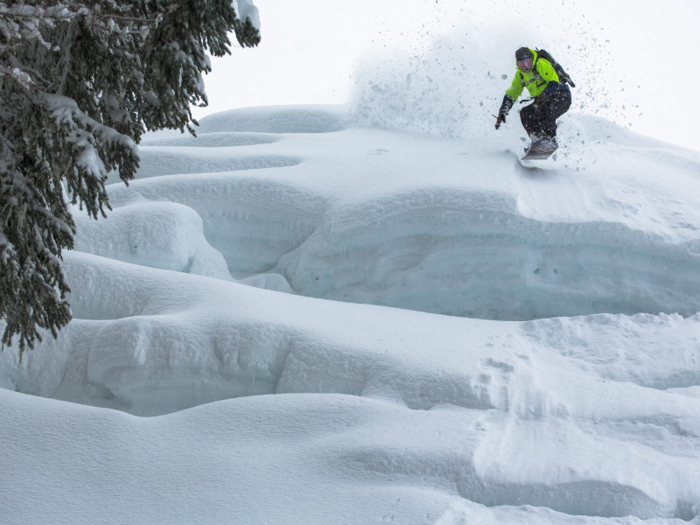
[251, 220]
[159, 341]
[213, 140]
[282, 119]
[478, 411]
[162, 235]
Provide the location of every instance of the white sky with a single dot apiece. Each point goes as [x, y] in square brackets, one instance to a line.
[644, 55]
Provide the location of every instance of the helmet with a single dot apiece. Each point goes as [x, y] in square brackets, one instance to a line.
[524, 58]
[523, 54]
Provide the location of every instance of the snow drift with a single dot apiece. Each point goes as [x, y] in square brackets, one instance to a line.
[320, 410]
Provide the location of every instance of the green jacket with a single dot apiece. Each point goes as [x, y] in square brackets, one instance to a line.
[536, 81]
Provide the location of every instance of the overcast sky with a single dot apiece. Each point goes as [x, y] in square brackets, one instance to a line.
[638, 62]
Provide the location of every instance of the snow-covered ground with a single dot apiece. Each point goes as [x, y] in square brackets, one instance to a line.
[298, 319]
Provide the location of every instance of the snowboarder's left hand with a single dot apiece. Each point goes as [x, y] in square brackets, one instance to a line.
[540, 100]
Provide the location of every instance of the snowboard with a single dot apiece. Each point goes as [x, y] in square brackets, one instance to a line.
[541, 150]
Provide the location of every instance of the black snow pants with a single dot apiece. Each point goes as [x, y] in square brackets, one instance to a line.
[542, 121]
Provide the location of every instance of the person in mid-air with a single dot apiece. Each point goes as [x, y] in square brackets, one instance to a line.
[552, 96]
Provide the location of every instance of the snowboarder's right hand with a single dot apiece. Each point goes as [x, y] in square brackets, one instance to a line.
[505, 108]
[500, 120]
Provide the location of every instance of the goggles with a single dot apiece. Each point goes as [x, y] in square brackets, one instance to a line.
[525, 64]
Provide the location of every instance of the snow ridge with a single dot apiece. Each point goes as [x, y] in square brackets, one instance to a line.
[482, 259]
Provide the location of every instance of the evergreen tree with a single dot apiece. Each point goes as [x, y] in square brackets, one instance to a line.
[80, 82]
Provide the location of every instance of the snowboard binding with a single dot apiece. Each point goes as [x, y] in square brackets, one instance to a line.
[540, 149]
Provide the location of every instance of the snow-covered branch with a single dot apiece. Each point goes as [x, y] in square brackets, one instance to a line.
[80, 82]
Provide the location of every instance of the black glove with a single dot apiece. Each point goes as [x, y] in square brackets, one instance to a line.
[500, 119]
[503, 112]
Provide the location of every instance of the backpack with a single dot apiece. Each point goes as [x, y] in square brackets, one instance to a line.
[563, 76]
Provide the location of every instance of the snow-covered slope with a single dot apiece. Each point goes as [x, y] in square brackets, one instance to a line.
[564, 383]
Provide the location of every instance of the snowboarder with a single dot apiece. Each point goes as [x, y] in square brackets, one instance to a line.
[552, 98]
